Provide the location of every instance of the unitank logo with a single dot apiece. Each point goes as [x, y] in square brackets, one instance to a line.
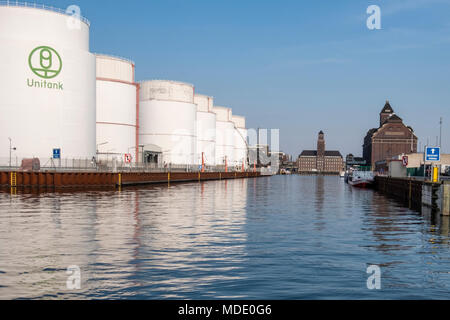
[45, 62]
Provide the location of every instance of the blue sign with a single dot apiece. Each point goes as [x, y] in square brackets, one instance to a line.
[433, 154]
[56, 153]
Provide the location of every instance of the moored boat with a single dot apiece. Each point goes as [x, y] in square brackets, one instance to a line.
[361, 179]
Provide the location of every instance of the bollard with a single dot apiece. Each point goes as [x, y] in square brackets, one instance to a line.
[435, 174]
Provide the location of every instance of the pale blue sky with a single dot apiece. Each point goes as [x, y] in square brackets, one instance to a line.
[300, 66]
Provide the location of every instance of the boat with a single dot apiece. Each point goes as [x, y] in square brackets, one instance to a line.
[342, 174]
[361, 179]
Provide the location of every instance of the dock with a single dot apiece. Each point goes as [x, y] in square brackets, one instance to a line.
[109, 179]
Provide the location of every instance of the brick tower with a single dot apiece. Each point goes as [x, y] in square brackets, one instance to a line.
[321, 152]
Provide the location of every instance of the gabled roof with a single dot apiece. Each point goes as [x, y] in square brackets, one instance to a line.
[371, 132]
[387, 108]
[394, 117]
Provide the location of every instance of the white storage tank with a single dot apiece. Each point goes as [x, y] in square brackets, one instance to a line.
[224, 136]
[47, 96]
[167, 120]
[206, 129]
[240, 141]
[116, 109]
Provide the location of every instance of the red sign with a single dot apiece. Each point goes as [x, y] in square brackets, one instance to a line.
[128, 158]
[405, 161]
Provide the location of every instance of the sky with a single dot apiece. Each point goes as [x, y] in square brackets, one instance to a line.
[297, 66]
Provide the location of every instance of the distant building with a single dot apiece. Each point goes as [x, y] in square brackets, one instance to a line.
[283, 158]
[351, 161]
[416, 160]
[391, 138]
[320, 160]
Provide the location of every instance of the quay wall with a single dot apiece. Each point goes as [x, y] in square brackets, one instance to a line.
[416, 193]
[408, 191]
[109, 179]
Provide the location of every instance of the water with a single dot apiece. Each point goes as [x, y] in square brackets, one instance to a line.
[285, 237]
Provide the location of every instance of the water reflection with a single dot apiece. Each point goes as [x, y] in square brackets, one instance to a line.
[291, 237]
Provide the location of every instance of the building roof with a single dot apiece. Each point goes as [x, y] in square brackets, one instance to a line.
[332, 154]
[309, 153]
[387, 108]
[372, 131]
[394, 117]
[313, 153]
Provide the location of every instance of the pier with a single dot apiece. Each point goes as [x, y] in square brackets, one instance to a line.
[109, 179]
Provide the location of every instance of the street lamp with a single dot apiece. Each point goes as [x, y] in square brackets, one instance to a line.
[10, 150]
[142, 154]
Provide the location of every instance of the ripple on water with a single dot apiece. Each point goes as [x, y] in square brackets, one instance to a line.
[290, 237]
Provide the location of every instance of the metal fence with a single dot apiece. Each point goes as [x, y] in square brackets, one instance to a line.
[93, 165]
[12, 3]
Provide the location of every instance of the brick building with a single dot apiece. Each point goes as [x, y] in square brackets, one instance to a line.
[320, 160]
[391, 138]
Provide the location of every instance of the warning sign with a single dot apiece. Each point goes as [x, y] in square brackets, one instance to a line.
[128, 158]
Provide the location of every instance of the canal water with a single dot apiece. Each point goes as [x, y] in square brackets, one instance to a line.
[284, 237]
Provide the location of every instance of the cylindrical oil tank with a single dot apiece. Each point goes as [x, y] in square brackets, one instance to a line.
[206, 129]
[224, 136]
[240, 141]
[47, 96]
[116, 108]
[167, 120]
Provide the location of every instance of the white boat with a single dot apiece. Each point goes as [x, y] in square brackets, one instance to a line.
[342, 174]
[361, 179]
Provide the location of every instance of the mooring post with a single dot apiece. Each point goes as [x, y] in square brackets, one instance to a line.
[410, 192]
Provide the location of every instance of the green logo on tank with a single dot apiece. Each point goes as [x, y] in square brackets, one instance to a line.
[45, 62]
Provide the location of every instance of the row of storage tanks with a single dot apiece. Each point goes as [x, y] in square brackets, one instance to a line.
[102, 111]
[164, 117]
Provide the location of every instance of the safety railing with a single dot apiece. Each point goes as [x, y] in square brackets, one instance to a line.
[94, 165]
[114, 57]
[42, 7]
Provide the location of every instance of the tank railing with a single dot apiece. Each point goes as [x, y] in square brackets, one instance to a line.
[93, 165]
[114, 57]
[11, 3]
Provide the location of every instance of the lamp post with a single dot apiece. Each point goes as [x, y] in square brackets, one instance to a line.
[142, 152]
[10, 144]
[440, 133]
[10, 150]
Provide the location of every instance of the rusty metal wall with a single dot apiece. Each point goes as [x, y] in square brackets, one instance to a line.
[97, 179]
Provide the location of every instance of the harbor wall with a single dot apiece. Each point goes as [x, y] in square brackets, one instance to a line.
[406, 190]
[109, 179]
[416, 193]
